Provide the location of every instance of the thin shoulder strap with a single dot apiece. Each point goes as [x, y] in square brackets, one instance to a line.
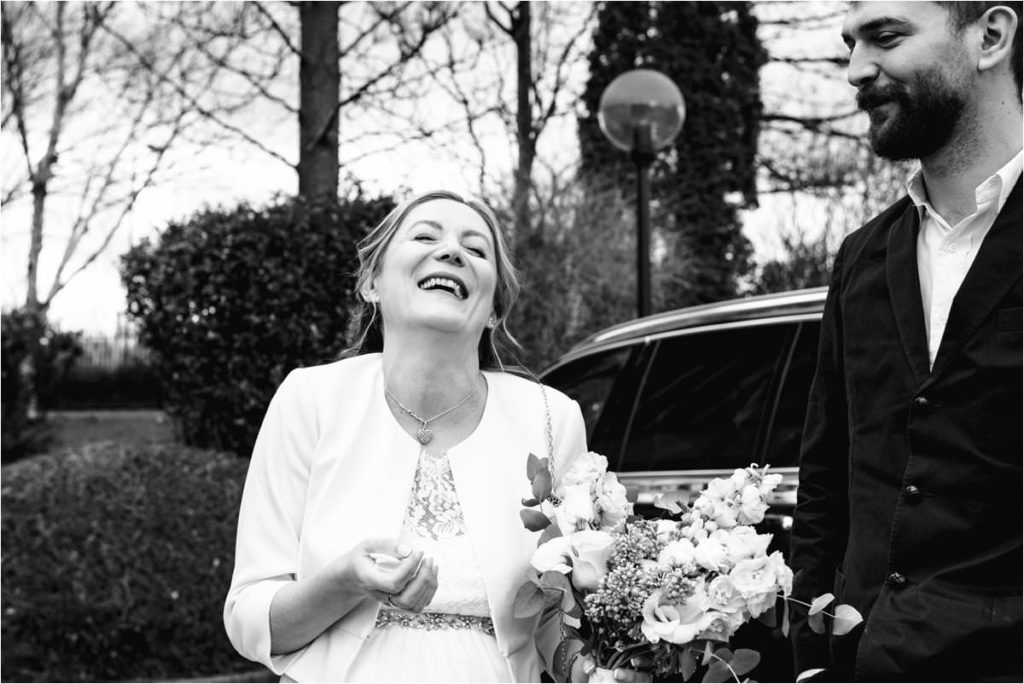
[547, 417]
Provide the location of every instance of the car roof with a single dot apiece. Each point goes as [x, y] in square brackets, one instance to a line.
[777, 305]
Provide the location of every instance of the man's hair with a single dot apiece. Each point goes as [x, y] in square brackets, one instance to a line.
[963, 14]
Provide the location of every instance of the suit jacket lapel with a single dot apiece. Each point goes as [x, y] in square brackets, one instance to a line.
[905, 292]
[994, 271]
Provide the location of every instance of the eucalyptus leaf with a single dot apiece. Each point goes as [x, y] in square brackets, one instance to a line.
[744, 660]
[534, 520]
[533, 465]
[530, 503]
[542, 485]
[818, 604]
[673, 502]
[552, 579]
[785, 619]
[529, 601]
[817, 623]
[687, 664]
[768, 618]
[550, 532]
[847, 617]
[807, 674]
[717, 672]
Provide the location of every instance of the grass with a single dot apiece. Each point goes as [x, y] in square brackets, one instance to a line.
[76, 429]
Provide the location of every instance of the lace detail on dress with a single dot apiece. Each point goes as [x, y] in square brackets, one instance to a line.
[434, 510]
[434, 523]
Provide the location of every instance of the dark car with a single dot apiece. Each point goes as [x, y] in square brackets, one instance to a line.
[678, 398]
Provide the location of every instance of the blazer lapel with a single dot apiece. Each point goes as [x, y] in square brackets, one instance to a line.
[905, 292]
[994, 271]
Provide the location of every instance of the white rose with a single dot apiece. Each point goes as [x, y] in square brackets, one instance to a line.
[769, 483]
[676, 624]
[724, 597]
[577, 509]
[611, 500]
[710, 554]
[722, 625]
[553, 554]
[752, 506]
[584, 469]
[590, 550]
[761, 579]
[723, 514]
[665, 529]
[743, 542]
[678, 554]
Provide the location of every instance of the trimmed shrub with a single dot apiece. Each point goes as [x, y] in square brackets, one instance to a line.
[116, 562]
[231, 300]
[56, 352]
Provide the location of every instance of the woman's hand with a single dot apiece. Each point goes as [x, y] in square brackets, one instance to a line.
[584, 666]
[391, 572]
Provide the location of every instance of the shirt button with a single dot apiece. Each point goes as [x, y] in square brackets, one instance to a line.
[921, 401]
[911, 493]
[896, 580]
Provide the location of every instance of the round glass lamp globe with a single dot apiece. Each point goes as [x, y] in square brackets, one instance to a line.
[637, 100]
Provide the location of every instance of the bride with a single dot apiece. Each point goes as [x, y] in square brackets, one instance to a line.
[379, 536]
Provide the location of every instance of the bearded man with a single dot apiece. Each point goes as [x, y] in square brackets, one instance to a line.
[909, 506]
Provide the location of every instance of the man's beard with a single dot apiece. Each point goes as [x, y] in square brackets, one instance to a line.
[921, 120]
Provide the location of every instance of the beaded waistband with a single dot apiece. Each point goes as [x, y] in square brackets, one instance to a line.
[433, 621]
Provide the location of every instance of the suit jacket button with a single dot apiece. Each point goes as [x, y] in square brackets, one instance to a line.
[921, 401]
[896, 580]
[911, 493]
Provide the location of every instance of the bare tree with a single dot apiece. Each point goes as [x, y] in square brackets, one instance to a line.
[92, 125]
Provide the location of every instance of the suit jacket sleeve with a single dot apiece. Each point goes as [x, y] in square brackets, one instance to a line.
[821, 517]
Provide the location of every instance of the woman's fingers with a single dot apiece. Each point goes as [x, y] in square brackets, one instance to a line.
[420, 590]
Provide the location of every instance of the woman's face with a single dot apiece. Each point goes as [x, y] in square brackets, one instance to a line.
[438, 271]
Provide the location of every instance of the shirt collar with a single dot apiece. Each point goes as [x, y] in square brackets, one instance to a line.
[1000, 184]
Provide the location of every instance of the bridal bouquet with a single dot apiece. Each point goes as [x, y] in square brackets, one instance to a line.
[664, 596]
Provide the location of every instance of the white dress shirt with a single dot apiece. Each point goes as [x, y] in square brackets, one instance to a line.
[945, 253]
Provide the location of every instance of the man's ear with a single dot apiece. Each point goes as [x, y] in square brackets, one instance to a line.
[999, 26]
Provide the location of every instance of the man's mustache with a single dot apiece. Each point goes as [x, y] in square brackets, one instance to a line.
[871, 97]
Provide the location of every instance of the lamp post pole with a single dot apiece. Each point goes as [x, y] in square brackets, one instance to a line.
[642, 156]
[641, 112]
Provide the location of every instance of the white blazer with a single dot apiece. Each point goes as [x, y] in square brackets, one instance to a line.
[331, 467]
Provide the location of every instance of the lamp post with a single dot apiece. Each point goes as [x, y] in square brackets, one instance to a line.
[641, 112]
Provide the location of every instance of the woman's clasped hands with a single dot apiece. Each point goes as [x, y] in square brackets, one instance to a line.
[394, 574]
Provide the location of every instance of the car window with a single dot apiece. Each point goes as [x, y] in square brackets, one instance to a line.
[706, 399]
[589, 380]
[783, 445]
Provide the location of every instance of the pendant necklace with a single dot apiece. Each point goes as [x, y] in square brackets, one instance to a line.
[425, 434]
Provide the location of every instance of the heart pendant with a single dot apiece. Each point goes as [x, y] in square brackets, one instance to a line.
[424, 435]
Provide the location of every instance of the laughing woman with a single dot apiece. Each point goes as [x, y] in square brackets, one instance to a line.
[379, 536]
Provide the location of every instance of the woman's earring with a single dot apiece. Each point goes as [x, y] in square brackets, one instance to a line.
[492, 322]
[370, 296]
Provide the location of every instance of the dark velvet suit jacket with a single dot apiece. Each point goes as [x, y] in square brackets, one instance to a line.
[910, 498]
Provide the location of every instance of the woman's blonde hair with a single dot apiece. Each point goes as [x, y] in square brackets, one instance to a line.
[367, 327]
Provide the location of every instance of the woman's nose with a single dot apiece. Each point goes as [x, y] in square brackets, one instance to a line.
[451, 252]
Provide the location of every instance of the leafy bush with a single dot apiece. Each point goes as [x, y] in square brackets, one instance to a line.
[55, 352]
[116, 561]
[231, 300]
[131, 385]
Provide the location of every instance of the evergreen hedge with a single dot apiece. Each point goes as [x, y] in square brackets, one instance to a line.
[229, 301]
[116, 562]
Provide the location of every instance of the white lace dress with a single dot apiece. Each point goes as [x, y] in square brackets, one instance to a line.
[452, 640]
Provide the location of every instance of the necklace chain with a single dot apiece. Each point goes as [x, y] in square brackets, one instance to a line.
[425, 434]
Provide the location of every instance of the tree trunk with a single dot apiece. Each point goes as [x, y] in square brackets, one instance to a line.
[319, 85]
[520, 25]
